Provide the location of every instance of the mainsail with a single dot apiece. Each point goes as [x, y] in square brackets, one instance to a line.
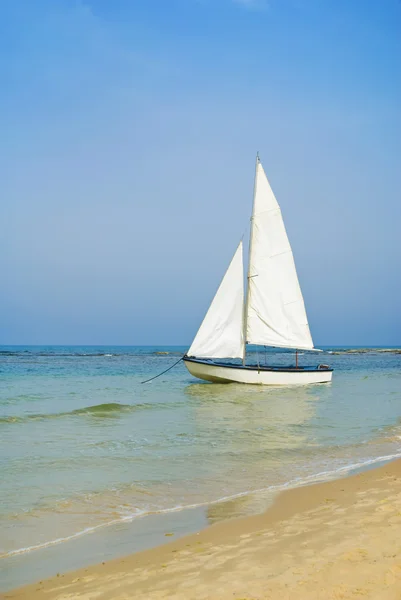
[221, 332]
[275, 310]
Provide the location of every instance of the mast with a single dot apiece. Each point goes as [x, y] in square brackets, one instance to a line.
[249, 257]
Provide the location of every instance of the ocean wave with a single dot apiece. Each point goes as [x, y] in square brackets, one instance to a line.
[45, 354]
[26, 353]
[109, 352]
[98, 410]
[364, 351]
[294, 483]
[387, 433]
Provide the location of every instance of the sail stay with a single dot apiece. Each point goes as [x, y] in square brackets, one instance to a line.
[221, 332]
[275, 310]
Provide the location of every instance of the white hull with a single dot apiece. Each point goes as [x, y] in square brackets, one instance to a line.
[229, 374]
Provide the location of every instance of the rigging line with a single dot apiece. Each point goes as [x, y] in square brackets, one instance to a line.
[162, 373]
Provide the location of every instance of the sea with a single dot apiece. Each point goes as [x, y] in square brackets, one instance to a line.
[96, 464]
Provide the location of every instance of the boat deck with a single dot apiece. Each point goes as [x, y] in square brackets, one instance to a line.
[285, 369]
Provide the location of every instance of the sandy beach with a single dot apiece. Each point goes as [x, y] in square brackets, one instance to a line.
[333, 540]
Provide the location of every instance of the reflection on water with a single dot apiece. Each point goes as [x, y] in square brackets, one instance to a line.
[274, 399]
[269, 418]
[259, 436]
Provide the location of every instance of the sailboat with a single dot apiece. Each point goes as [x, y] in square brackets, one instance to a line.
[273, 313]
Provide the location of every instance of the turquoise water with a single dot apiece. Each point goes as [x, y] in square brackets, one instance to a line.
[85, 446]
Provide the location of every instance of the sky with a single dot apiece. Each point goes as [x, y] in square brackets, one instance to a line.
[129, 130]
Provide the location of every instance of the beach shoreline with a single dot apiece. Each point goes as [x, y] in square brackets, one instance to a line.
[332, 539]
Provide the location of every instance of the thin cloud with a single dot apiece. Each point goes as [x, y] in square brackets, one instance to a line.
[252, 4]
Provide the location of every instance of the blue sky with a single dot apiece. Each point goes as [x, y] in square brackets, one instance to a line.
[128, 137]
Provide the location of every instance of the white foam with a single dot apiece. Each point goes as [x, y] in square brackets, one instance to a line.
[67, 538]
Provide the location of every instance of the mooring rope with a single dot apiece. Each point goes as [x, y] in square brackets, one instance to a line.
[162, 373]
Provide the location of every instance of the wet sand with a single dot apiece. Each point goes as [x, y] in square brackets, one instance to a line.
[335, 540]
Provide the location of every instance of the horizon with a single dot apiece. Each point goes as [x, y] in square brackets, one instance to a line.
[127, 162]
[374, 346]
